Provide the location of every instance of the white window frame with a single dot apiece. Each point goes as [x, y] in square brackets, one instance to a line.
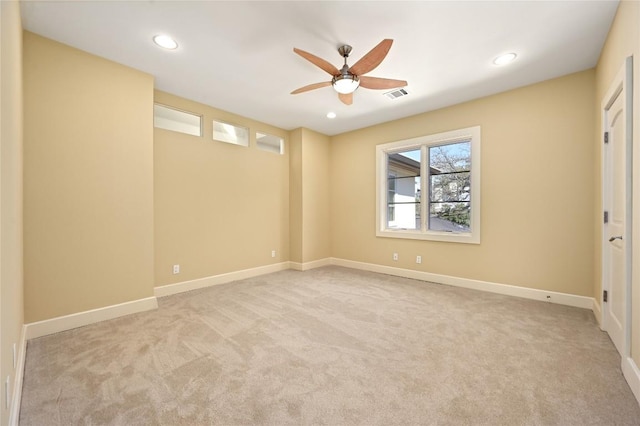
[422, 143]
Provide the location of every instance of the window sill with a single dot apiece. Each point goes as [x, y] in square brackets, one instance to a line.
[449, 237]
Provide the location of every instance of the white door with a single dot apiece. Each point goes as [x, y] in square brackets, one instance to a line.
[617, 204]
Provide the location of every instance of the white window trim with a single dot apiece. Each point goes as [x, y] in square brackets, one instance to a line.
[422, 142]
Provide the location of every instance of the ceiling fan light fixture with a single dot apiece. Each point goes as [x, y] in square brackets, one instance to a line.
[345, 84]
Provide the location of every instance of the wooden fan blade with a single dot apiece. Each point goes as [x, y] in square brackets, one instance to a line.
[380, 83]
[311, 87]
[347, 98]
[319, 62]
[372, 59]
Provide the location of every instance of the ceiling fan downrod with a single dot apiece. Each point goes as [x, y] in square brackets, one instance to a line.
[344, 52]
[345, 82]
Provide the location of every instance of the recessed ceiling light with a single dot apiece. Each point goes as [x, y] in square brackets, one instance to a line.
[505, 59]
[165, 41]
[331, 114]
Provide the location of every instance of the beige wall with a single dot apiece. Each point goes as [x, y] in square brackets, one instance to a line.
[88, 181]
[316, 211]
[11, 139]
[310, 198]
[218, 207]
[623, 40]
[295, 196]
[537, 192]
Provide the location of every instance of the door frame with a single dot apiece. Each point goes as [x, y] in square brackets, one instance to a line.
[622, 81]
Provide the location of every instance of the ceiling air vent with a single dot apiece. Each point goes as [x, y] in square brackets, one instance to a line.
[395, 94]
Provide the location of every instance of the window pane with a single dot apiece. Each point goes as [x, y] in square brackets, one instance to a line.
[450, 217]
[177, 121]
[225, 132]
[450, 187]
[404, 216]
[403, 195]
[455, 157]
[270, 143]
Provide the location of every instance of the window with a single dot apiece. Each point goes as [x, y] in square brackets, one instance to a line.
[270, 143]
[175, 120]
[230, 133]
[447, 166]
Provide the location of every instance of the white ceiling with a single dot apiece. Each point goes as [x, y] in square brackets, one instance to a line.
[238, 56]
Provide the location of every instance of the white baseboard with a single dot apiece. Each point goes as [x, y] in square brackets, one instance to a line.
[167, 290]
[55, 325]
[310, 265]
[16, 399]
[68, 322]
[632, 374]
[506, 289]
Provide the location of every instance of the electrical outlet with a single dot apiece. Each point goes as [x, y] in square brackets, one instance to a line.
[395, 256]
[418, 259]
[273, 253]
[176, 269]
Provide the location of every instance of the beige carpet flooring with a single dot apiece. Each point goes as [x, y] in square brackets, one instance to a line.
[331, 346]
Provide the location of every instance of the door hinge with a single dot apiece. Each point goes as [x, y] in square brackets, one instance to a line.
[606, 217]
[605, 296]
[606, 137]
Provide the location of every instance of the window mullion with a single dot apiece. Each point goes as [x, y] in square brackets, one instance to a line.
[385, 193]
[424, 188]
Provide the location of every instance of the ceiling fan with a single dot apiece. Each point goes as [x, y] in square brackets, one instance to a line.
[347, 79]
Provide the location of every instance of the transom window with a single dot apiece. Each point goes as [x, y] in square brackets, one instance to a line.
[168, 118]
[447, 166]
